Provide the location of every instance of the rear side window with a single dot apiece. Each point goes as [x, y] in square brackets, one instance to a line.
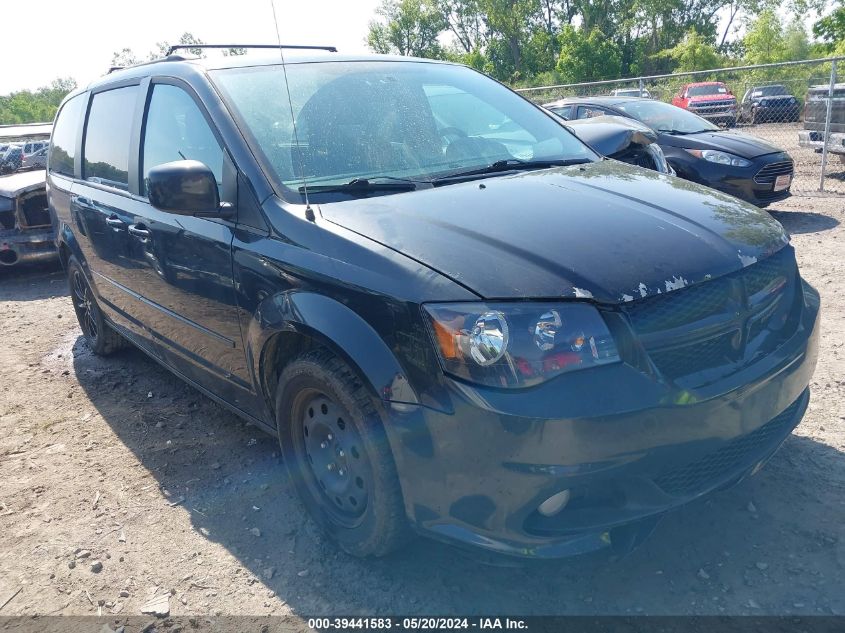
[64, 137]
[588, 112]
[177, 130]
[107, 135]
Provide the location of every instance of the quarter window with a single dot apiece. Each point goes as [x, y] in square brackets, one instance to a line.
[177, 130]
[64, 137]
[107, 137]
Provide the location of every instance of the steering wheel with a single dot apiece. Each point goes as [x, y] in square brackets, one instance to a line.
[451, 131]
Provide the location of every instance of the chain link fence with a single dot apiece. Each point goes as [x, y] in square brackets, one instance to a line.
[793, 105]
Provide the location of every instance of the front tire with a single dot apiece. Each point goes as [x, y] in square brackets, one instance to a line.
[337, 455]
[99, 335]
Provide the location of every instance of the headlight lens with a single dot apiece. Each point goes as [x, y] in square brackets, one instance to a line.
[519, 344]
[721, 158]
[764, 102]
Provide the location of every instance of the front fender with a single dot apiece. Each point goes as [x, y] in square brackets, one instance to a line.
[337, 327]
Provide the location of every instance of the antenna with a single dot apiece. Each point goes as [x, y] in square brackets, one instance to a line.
[309, 212]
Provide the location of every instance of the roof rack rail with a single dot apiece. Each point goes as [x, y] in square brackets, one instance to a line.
[331, 49]
[114, 69]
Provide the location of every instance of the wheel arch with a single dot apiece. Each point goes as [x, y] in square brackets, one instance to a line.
[288, 324]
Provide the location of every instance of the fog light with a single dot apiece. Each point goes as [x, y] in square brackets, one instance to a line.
[554, 504]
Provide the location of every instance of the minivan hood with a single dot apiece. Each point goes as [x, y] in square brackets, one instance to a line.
[605, 231]
[734, 142]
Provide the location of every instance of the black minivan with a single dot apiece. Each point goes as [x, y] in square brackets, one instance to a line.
[458, 319]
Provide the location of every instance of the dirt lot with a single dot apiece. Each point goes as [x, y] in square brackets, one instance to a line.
[114, 464]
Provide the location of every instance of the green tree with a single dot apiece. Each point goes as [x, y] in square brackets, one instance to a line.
[796, 42]
[407, 27]
[764, 41]
[124, 57]
[694, 52]
[587, 56]
[28, 106]
[831, 30]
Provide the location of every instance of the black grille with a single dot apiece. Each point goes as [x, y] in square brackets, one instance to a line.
[767, 174]
[708, 353]
[710, 324]
[679, 308]
[741, 452]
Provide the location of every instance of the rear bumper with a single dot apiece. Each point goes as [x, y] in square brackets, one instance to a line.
[815, 140]
[20, 247]
[628, 447]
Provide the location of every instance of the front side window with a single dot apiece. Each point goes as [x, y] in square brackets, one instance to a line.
[564, 112]
[176, 130]
[64, 134]
[391, 120]
[107, 135]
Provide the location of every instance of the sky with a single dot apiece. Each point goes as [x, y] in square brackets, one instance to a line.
[76, 38]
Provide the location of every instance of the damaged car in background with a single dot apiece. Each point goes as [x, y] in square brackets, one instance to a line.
[26, 230]
[622, 139]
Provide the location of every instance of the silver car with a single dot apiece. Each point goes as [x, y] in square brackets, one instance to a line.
[37, 160]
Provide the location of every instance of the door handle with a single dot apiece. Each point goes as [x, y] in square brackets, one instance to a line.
[139, 230]
[115, 222]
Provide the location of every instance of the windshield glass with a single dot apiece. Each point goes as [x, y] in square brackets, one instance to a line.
[390, 120]
[709, 89]
[663, 117]
[770, 91]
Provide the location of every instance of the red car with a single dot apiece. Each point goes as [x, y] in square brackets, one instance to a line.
[709, 99]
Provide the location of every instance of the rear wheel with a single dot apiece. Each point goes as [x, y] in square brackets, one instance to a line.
[337, 455]
[99, 335]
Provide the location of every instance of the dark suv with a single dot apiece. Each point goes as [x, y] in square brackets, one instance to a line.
[456, 317]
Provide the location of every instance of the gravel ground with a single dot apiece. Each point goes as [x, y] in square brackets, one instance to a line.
[121, 484]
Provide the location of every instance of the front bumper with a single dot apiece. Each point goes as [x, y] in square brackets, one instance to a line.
[735, 181]
[777, 112]
[19, 247]
[629, 447]
[719, 114]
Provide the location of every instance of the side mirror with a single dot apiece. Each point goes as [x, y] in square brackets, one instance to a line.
[185, 187]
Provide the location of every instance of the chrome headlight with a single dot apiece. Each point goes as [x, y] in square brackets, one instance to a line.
[721, 158]
[518, 344]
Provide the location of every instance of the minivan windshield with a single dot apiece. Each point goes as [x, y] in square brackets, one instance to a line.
[664, 117]
[395, 122]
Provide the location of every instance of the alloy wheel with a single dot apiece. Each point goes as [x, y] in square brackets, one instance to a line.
[85, 307]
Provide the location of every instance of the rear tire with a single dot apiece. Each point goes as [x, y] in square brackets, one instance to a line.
[99, 335]
[337, 455]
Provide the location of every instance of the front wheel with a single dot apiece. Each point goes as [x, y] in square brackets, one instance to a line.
[336, 452]
[99, 335]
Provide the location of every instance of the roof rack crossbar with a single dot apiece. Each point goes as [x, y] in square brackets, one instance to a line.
[170, 51]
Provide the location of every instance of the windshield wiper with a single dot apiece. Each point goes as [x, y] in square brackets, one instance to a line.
[510, 164]
[361, 186]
